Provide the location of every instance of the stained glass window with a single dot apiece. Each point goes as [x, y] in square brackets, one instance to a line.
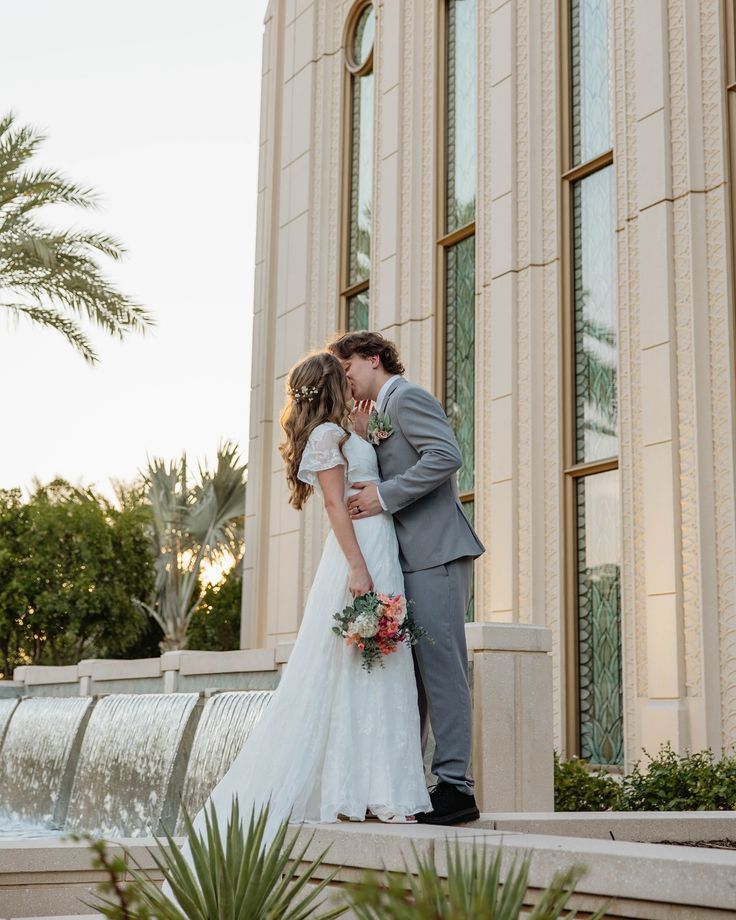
[599, 618]
[594, 289]
[358, 311]
[361, 178]
[460, 353]
[459, 248]
[593, 399]
[590, 78]
[359, 61]
[731, 87]
[461, 140]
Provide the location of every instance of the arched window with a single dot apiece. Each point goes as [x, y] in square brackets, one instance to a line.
[593, 506]
[456, 234]
[358, 212]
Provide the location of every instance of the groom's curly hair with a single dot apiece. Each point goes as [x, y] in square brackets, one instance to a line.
[366, 344]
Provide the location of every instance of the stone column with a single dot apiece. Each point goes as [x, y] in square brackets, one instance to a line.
[512, 716]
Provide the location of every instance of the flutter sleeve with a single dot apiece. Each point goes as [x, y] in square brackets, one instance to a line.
[321, 453]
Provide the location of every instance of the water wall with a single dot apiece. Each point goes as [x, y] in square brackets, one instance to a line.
[36, 757]
[126, 762]
[226, 722]
[120, 765]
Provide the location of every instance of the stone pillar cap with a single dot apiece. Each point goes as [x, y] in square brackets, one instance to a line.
[508, 637]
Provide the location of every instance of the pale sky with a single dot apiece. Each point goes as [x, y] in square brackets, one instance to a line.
[154, 103]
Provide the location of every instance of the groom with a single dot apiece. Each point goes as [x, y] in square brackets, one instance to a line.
[418, 457]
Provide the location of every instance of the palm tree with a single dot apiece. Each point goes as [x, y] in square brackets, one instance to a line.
[191, 524]
[51, 276]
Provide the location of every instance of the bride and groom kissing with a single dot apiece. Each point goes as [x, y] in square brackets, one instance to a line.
[337, 741]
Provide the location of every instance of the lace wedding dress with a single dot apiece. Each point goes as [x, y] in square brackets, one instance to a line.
[335, 739]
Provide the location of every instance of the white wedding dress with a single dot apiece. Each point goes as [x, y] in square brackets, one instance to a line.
[335, 739]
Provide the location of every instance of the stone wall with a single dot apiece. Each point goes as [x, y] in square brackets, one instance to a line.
[674, 322]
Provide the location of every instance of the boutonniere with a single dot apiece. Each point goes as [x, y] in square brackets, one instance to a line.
[379, 428]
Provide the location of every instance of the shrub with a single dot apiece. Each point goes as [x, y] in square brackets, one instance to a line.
[474, 890]
[693, 782]
[577, 788]
[237, 876]
[667, 782]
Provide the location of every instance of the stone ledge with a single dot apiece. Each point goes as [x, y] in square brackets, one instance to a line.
[646, 872]
[283, 651]
[120, 668]
[507, 637]
[636, 827]
[36, 674]
[640, 880]
[192, 663]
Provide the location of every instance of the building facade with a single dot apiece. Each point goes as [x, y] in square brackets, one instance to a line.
[533, 198]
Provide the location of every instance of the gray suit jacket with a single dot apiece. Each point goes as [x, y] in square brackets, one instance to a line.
[418, 462]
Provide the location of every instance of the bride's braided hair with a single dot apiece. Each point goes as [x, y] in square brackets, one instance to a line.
[315, 390]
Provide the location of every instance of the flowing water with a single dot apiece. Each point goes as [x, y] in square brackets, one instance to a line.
[126, 763]
[35, 758]
[7, 707]
[226, 722]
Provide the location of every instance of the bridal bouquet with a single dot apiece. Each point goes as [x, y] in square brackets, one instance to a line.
[376, 623]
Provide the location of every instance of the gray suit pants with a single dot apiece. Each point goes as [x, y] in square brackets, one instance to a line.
[440, 597]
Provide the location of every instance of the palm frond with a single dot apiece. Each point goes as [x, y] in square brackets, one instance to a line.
[52, 319]
[55, 270]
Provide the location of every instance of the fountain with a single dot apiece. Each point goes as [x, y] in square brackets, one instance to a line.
[7, 708]
[134, 751]
[227, 720]
[37, 757]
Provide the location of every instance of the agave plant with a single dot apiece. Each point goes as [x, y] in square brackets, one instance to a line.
[48, 276]
[238, 877]
[474, 890]
[191, 523]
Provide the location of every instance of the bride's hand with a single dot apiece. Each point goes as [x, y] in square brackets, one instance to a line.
[360, 415]
[360, 581]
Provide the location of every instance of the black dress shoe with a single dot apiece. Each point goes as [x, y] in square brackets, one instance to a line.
[449, 806]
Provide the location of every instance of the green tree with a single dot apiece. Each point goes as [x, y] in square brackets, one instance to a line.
[72, 566]
[215, 625]
[13, 597]
[191, 523]
[51, 276]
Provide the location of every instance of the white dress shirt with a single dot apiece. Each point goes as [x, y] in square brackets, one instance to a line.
[380, 401]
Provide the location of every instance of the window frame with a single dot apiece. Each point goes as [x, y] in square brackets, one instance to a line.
[351, 73]
[445, 240]
[729, 26]
[572, 470]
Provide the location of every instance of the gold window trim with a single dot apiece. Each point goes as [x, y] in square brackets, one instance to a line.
[444, 240]
[571, 471]
[351, 72]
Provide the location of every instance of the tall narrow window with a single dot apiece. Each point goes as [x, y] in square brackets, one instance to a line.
[730, 22]
[595, 720]
[457, 236]
[359, 193]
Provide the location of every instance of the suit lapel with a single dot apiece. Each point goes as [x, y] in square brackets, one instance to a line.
[390, 393]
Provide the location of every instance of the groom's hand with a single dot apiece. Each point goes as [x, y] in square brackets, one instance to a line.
[365, 503]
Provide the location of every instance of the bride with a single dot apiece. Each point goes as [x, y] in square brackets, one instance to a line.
[335, 740]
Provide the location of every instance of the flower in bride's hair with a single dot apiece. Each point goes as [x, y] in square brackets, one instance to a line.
[302, 392]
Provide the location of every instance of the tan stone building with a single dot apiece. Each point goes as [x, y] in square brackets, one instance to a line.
[534, 199]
